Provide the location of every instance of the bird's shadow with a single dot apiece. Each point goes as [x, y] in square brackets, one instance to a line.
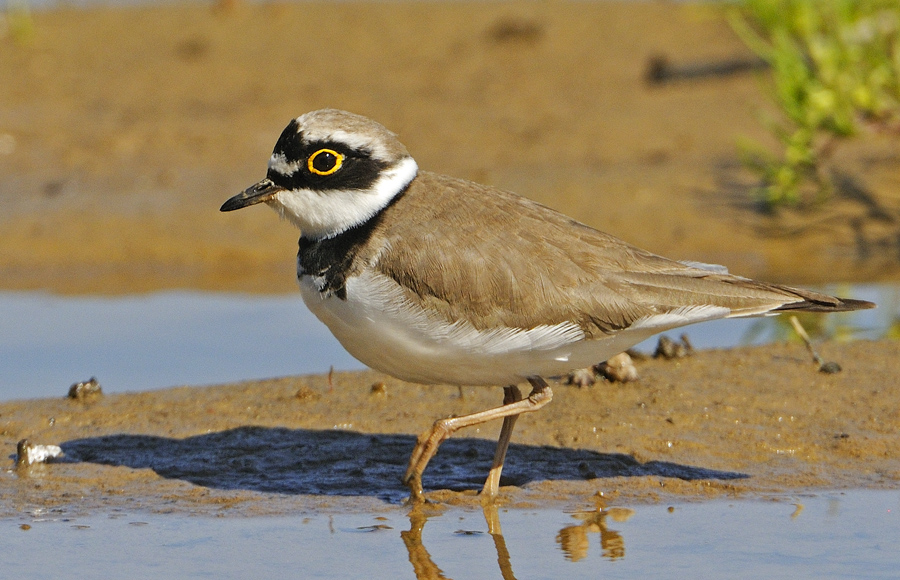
[303, 461]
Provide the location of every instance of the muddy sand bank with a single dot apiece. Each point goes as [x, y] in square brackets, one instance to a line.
[736, 423]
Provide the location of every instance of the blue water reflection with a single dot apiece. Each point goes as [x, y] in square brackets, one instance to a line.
[849, 534]
[142, 342]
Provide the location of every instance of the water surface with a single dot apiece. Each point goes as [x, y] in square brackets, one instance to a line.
[142, 342]
[164, 339]
[853, 534]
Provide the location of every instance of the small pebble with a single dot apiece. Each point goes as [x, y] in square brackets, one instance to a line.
[85, 390]
[582, 377]
[379, 389]
[618, 369]
[669, 349]
[27, 453]
[830, 368]
[304, 393]
[637, 355]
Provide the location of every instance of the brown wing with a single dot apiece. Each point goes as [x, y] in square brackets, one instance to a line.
[493, 258]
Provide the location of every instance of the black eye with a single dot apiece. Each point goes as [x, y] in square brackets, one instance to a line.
[325, 162]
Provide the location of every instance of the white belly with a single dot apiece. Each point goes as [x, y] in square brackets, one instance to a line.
[388, 333]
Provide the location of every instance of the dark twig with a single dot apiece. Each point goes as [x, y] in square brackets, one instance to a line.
[661, 71]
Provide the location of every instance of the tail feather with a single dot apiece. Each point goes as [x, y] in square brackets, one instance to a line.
[815, 302]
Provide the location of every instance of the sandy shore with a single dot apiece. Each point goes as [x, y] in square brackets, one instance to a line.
[736, 423]
[125, 129]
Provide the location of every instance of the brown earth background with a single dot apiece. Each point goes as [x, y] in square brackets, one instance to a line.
[124, 129]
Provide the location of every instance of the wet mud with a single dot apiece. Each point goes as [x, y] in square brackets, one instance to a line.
[734, 423]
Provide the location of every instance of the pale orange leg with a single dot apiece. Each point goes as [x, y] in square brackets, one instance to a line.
[428, 442]
[511, 394]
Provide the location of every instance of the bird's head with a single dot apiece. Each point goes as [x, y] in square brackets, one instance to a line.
[330, 171]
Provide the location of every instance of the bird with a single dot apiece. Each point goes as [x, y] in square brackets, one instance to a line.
[438, 280]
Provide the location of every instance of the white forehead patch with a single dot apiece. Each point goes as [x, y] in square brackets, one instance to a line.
[374, 146]
[279, 164]
[351, 130]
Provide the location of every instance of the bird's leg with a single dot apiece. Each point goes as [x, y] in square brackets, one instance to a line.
[511, 394]
[428, 442]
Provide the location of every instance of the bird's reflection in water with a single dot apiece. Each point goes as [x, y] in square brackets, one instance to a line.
[573, 540]
[493, 523]
[423, 566]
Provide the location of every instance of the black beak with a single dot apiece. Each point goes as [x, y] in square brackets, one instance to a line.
[257, 193]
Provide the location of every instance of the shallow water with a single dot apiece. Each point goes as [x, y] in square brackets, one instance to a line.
[143, 342]
[853, 534]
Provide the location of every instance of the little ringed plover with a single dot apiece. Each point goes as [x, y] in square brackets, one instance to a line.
[433, 279]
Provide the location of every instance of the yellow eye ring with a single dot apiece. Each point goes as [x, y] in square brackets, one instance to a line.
[324, 162]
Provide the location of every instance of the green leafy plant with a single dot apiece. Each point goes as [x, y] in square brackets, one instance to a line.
[18, 22]
[835, 68]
